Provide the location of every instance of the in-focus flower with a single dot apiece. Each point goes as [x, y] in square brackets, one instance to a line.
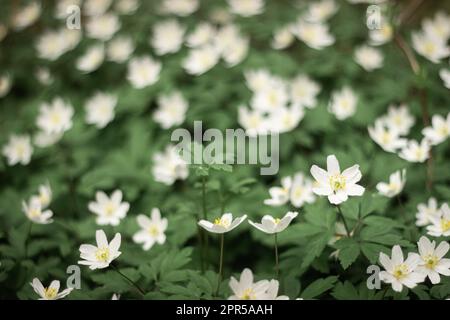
[335, 185]
[304, 91]
[92, 59]
[223, 224]
[430, 46]
[119, 49]
[399, 118]
[152, 229]
[314, 35]
[167, 37]
[273, 225]
[440, 226]
[100, 109]
[180, 8]
[100, 256]
[143, 71]
[51, 292]
[171, 110]
[445, 76]
[282, 38]
[415, 152]
[386, 137]
[343, 103]
[400, 272]
[426, 212]
[369, 58]
[246, 8]
[396, 184]
[246, 289]
[439, 130]
[322, 10]
[5, 85]
[169, 166]
[26, 16]
[201, 60]
[45, 195]
[55, 117]
[432, 262]
[102, 27]
[33, 211]
[18, 150]
[109, 210]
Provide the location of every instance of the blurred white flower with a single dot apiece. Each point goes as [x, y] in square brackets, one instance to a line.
[426, 211]
[96, 7]
[126, 6]
[169, 166]
[51, 45]
[26, 16]
[440, 225]
[171, 110]
[5, 85]
[43, 139]
[223, 224]
[203, 34]
[386, 137]
[246, 8]
[167, 37]
[120, 49]
[51, 292]
[62, 8]
[439, 26]
[100, 109]
[236, 53]
[100, 256]
[180, 8]
[44, 76]
[400, 272]
[319, 11]
[381, 35]
[343, 103]
[282, 38]
[71, 38]
[258, 80]
[253, 121]
[430, 46]
[301, 191]
[314, 35]
[439, 130]
[18, 150]
[445, 76]
[92, 59]
[55, 117]
[201, 60]
[285, 119]
[399, 118]
[335, 185]
[271, 225]
[432, 262]
[303, 91]
[152, 230]
[274, 97]
[396, 184]
[369, 58]
[33, 210]
[280, 195]
[143, 71]
[220, 15]
[44, 196]
[102, 27]
[415, 152]
[109, 210]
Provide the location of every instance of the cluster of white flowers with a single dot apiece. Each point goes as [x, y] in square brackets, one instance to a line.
[437, 220]
[35, 208]
[297, 190]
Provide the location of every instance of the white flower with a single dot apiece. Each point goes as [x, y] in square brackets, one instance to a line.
[271, 225]
[440, 226]
[50, 293]
[167, 37]
[381, 35]
[258, 80]
[55, 117]
[96, 7]
[115, 296]
[33, 211]
[432, 261]
[273, 98]
[100, 109]
[343, 103]
[143, 71]
[102, 27]
[5, 85]
[18, 150]
[431, 47]
[26, 16]
[245, 289]
[272, 291]
[119, 49]
[43, 139]
[400, 272]
[386, 137]
[71, 38]
[44, 76]
[126, 6]
[282, 38]
[285, 119]
[439, 131]
[426, 211]
[322, 10]
[51, 45]
[220, 15]
[92, 59]
[180, 8]
[169, 166]
[201, 60]
[314, 35]
[45, 195]
[100, 256]
[334, 184]
[399, 118]
[62, 10]
[203, 34]
[280, 195]
[253, 121]
[232, 45]
[438, 27]
[396, 184]
[171, 110]
[152, 230]
[301, 191]
[445, 76]
[369, 58]
[223, 224]
[109, 210]
[304, 91]
[415, 152]
[246, 8]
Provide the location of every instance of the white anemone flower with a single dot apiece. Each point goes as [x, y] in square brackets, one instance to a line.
[273, 225]
[152, 229]
[51, 292]
[33, 211]
[432, 262]
[100, 256]
[440, 225]
[246, 289]
[426, 211]
[18, 150]
[143, 71]
[439, 131]
[396, 184]
[109, 210]
[223, 224]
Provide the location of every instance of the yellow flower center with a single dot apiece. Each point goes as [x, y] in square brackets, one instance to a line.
[431, 261]
[386, 137]
[443, 131]
[337, 182]
[221, 222]
[153, 230]
[400, 271]
[102, 254]
[298, 192]
[50, 293]
[248, 295]
[445, 225]
[34, 213]
[429, 48]
[277, 220]
[55, 118]
[110, 209]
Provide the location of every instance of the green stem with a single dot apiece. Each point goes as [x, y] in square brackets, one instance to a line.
[341, 215]
[27, 239]
[219, 278]
[205, 242]
[142, 292]
[277, 267]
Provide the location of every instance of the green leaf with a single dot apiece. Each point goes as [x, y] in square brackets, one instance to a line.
[318, 287]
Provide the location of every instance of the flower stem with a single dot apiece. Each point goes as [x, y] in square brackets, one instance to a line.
[219, 278]
[341, 215]
[277, 267]
[142, 292]
[205, 242]
[27, 239]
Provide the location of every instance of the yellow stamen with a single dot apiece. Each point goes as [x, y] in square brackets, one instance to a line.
[102, 254]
